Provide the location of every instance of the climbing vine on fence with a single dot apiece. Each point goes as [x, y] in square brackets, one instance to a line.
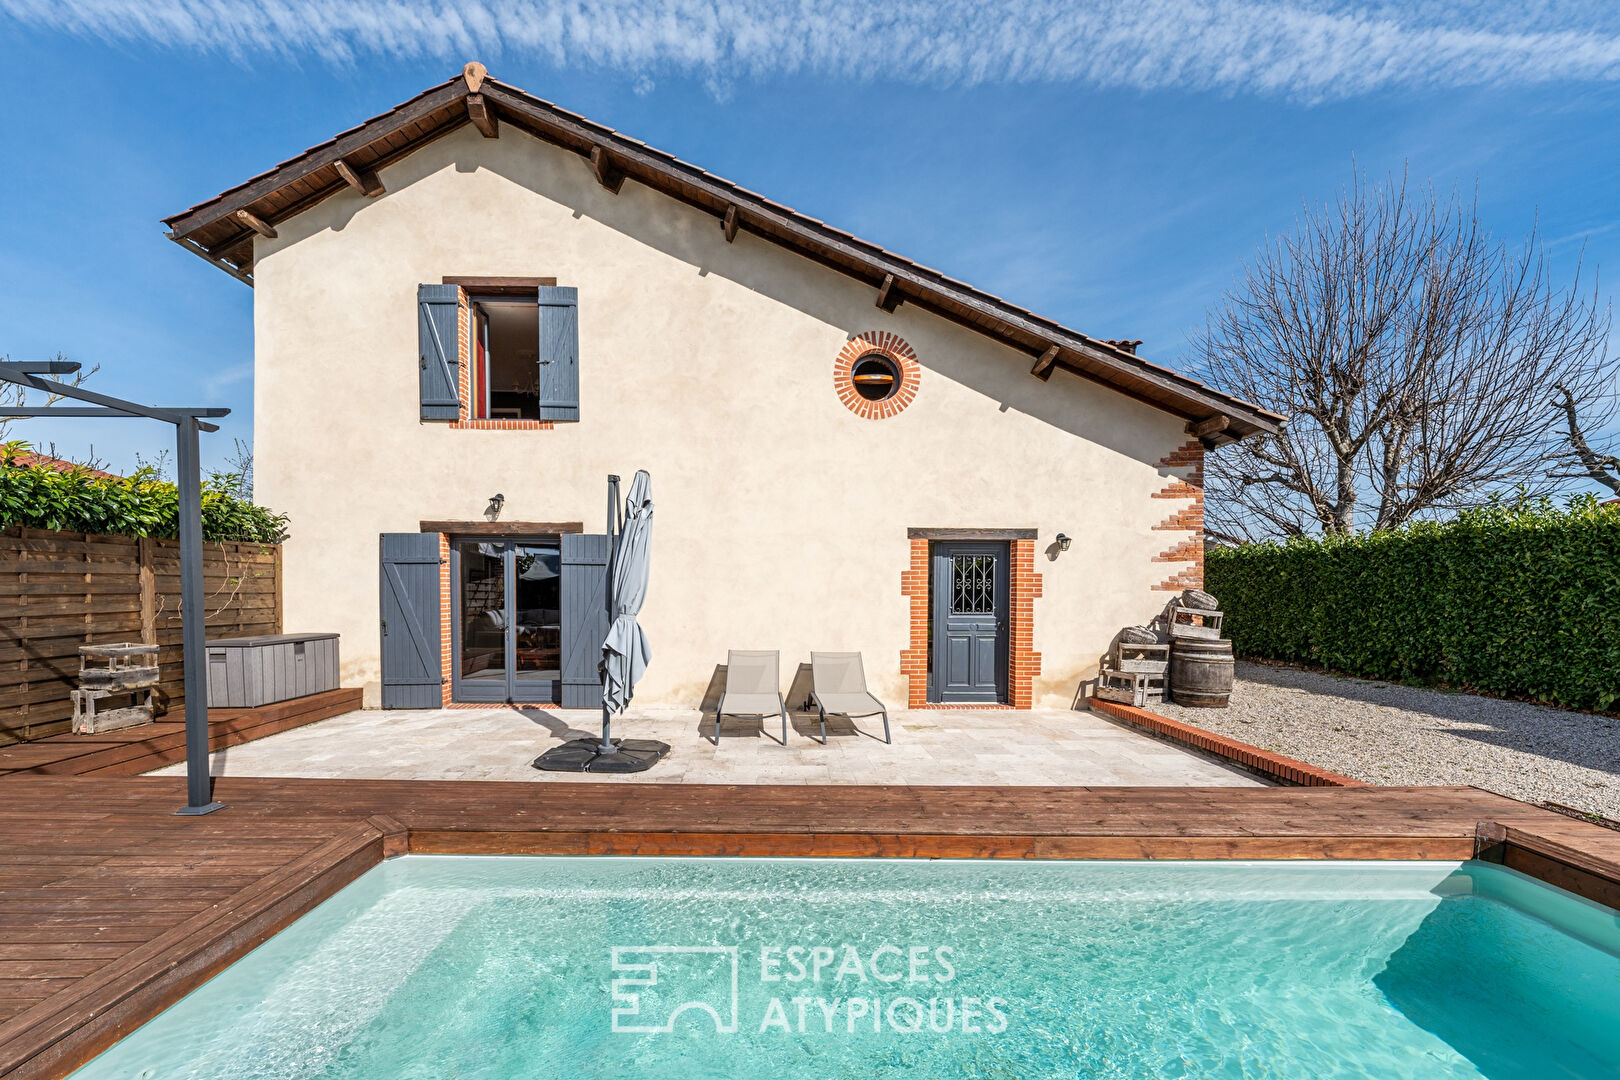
[142, 504]
[1520, 601]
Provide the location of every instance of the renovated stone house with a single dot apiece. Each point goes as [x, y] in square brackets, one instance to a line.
[471, 309]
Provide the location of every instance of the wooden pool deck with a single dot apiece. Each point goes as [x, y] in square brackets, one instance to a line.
[111, 908]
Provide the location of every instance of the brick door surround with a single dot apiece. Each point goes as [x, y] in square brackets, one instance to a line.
[1024, 587]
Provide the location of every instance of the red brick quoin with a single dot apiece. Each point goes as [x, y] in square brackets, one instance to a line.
[1023, 661]
[885, 344]
[1186, 466]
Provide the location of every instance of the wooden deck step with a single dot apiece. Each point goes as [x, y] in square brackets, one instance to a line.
[132, 751]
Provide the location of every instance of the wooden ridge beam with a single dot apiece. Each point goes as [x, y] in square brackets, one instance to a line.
[256, 223]
[1043, 366]
[607, 173]
[482, 117]
[365, 181]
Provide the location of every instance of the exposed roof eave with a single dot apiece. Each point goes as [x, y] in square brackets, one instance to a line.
[210, 229]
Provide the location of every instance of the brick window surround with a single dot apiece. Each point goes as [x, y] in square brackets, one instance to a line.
[464, 380]
[1023, 662]
[884, 344]
[1184, 468]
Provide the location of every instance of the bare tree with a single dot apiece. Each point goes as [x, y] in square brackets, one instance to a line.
[1412, 354]
[1579, 458]
[239, 470]
[159, 463]
[13, 395]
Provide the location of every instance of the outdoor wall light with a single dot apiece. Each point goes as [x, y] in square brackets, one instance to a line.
[1063, 542]
[493, 510]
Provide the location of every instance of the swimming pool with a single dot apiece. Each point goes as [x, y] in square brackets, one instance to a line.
[435, 967]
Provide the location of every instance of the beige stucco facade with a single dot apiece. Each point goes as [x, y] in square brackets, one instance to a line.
[781, 518]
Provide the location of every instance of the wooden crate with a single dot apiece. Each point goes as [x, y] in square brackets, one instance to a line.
[1135, 656]
[1138, 688]
[95, 711]
[117, 687]
[1191, 622]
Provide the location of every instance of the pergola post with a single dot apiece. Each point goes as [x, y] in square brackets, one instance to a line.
[193, 632]
[188, 483]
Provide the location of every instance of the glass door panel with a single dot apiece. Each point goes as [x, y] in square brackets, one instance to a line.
[482, 619]
[537, 620]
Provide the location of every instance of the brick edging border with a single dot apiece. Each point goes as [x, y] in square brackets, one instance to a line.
[1284, 770]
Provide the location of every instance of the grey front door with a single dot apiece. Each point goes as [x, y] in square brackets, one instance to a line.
[970, 622]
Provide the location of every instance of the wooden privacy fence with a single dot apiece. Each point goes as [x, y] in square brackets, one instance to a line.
[61, 590]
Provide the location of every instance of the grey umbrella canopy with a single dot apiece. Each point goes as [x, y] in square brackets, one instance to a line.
[625, 652]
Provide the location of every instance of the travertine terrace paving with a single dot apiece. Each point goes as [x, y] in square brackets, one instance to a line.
[944, 746]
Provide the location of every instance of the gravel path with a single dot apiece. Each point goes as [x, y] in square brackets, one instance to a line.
[1385, 733]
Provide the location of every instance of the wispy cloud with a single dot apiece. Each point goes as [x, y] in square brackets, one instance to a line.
[1301, 49]
[218, 383]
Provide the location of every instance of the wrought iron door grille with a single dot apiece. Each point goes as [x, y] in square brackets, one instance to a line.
[973, 581]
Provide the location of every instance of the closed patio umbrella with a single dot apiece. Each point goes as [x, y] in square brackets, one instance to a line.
[625, 652]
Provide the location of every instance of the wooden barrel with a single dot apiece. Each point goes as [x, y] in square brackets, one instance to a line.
[1201, 672]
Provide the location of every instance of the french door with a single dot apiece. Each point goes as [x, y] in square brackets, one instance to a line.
[507, 620]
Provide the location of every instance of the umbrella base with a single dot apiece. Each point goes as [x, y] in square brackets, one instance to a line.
[585, 755]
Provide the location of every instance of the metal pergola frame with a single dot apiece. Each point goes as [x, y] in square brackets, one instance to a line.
[187, 423]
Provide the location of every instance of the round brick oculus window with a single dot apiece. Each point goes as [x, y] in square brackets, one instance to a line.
[876, 374]
[876, 377]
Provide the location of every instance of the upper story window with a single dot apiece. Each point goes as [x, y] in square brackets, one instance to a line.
[504, 383]
[499, 351]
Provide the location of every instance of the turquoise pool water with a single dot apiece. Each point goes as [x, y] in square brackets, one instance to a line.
[432, 968]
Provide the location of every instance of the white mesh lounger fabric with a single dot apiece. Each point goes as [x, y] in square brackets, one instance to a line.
[753, 688]
[839, 686]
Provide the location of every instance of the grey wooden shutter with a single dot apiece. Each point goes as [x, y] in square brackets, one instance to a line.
[411, 677]
[559, 353]
[439, 343]
[584, 618]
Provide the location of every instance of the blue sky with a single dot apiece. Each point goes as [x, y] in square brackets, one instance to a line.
[1109, 165]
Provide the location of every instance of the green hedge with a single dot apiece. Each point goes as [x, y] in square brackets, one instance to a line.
[77, 500]
[1518, 602]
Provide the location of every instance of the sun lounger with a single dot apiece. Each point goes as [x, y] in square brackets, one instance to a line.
[753, 688]
[838, 682]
